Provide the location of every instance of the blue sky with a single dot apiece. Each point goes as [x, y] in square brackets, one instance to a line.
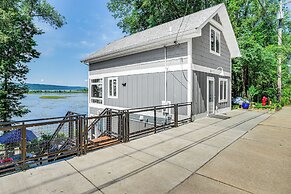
[89, 27]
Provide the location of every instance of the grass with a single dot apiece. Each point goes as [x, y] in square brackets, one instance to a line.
[53, 97]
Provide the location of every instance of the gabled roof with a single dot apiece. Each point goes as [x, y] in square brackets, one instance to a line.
[166, 33]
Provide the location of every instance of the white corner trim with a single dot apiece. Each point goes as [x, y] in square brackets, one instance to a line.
[189, 76]
[209, 70]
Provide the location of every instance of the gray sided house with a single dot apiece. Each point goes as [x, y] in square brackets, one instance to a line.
[185, 60]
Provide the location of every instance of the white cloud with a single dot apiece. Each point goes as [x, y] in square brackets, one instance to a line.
[104, 37]
[87, 44]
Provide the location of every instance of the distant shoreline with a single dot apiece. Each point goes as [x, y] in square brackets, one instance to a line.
[57, 91]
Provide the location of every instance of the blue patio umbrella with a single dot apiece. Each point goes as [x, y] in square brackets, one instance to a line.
[15, 136]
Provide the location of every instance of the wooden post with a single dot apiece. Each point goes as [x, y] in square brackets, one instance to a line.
[176, 115]
[126, 126]
[23, 143]
[77, 134]
[85, 134]
[191, 116]
[155, 119]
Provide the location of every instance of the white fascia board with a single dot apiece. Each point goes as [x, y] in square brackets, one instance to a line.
[226, 29]
[228, 32]
[154, 44]
[139, 71]
[210, 70]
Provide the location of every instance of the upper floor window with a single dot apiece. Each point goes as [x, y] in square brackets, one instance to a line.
[223, 89]
[96, 90]
[214, 41]
[112, 87]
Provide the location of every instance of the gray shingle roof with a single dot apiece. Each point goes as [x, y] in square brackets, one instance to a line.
[190, 22]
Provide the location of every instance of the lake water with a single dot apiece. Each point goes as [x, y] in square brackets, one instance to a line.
[43, 108]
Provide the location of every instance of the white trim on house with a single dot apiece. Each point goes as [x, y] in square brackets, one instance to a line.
[225, 88]
[102, 106]
[210, 70]
[209, 78]
[90, 89]
[189, 76]
[112, 87]
[223, 110]
[138, 71]
[216, 34]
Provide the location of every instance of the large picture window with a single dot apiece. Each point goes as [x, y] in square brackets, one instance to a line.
[112, 87]
[214, 41]
[223, 90]
[96, 91]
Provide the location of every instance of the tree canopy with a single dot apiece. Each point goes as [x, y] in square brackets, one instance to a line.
[17, 48]
[255, 24]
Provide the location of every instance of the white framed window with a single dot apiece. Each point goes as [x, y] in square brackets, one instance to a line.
[96, 91]
[113, 87]
[223, 90]
[214, 41]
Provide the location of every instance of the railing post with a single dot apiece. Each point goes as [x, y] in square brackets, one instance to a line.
[155, 119]
[23, 143]
[191, 115]
[71, 128]
[120, 126]
[176, 115]
[126, 127]
[77, 123]
[85, 134]
[109, 121]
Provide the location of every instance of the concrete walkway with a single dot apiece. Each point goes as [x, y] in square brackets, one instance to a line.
[201, 157]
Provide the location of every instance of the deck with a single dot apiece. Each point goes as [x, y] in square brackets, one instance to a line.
[208, 155]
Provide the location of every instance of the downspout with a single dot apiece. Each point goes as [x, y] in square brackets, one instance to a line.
[189, 76]
[166, 68]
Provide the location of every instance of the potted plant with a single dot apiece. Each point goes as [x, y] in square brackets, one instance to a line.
[245, 104]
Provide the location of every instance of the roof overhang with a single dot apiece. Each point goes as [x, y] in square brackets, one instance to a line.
[145, 46]
[174, 39]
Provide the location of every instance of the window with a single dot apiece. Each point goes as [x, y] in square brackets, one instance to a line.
[112, 87]
[223, 88]
[214, 41]
[96, 90]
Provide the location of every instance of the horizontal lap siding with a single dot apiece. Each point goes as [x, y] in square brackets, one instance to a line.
[200, 92]
[202, 55]
[174, 51]
[148, 89]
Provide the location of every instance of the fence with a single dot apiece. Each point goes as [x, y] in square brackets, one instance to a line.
[30, 143]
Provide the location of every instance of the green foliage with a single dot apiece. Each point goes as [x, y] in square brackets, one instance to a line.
[252, 92]
[17, 47]
[255, 26]
[274, 106]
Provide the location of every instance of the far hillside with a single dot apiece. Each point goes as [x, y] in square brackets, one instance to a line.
[46, 87]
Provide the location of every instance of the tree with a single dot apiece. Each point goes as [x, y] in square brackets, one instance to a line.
[17, 48]
[255, 26]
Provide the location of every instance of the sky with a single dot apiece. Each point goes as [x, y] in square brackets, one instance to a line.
[89, 27]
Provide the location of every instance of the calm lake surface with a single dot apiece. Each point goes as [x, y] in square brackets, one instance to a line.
[43, 108]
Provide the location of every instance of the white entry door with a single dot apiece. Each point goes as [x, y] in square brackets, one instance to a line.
[210, 95]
